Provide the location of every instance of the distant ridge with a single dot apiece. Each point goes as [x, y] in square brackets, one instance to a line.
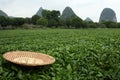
[3, 14]
[106, 15]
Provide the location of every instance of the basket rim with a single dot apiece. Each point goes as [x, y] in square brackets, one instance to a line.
[7, 56]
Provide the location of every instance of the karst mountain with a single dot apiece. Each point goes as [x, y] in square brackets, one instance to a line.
[68, 13]
[3, 14]
[108, 15]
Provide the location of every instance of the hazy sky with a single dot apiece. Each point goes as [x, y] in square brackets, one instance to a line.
[83, 8]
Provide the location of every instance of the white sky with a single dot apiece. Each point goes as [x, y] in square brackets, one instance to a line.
[83, 8]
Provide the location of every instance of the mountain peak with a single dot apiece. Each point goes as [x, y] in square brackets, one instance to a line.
[68, 7]
[40, 8]
[68, 13]
[108, 15]
[3, 14]
[39, 12]
[88, 19]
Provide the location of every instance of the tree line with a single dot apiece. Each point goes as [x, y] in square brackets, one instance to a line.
[52, 19]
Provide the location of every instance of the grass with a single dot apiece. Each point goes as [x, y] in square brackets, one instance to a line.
[79, 53]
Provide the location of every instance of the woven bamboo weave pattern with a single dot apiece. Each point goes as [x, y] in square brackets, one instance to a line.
[27, 58]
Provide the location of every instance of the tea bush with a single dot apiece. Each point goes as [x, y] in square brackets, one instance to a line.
[80, 54]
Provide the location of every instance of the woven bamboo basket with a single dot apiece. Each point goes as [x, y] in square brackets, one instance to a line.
[26, 58]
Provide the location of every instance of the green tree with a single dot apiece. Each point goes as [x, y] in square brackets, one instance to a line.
[77, 22]
[52, 23]
[68, 22]
[91, 24]
[42, 21]
[46, 14]
[118, 25]
[34, 19]
[53, 17]
[62, 23]
[4, 21]
[16, 21]
[28, 20]
[109, 24]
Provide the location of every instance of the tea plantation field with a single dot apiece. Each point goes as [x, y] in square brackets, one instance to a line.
[81, 54]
